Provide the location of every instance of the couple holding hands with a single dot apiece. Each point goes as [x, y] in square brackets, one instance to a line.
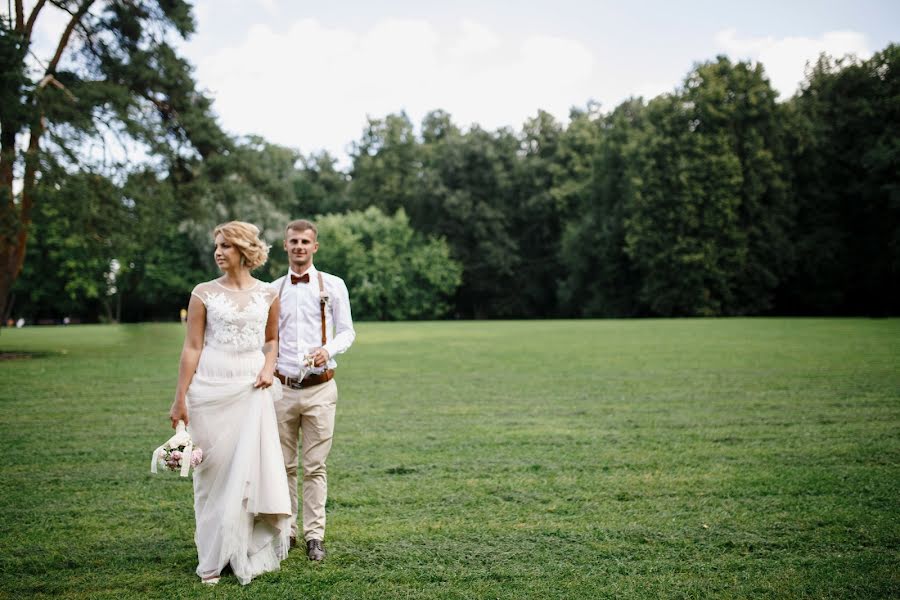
[256, 376]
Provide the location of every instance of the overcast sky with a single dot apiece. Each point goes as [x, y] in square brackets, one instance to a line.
[306, 74]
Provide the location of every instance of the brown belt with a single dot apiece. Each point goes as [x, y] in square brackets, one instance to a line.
[312, 379]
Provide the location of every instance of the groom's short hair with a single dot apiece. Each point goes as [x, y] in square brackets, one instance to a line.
[302, 225]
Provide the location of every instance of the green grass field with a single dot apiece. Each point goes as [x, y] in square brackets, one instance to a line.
[738, 458]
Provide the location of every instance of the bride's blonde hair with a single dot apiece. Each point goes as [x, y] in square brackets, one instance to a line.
[245, 237]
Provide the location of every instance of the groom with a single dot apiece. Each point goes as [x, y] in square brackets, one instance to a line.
[314, 326]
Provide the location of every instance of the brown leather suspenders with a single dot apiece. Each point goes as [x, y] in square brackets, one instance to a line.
[323, 298]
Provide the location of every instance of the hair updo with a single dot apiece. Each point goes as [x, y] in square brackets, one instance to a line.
[245, 237]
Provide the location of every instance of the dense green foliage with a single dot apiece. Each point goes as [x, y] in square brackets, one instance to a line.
[846, 164]
[712, 200]
[715, 199]
[395, 272]
[81, 228]
[691, 205]
[115, 78]
[719, 458]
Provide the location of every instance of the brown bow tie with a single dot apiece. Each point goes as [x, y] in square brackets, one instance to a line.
[295, 279]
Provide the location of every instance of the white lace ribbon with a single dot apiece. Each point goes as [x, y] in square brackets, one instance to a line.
[186, 457]
[155, 460]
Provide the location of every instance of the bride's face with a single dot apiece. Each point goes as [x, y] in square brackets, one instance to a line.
[228, 257]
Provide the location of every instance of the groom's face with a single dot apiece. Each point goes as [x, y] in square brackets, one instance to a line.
[300, 246]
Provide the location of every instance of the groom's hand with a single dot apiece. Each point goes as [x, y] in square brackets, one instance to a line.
[320, 356]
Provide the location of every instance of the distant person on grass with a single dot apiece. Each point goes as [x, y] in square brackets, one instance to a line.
[225, 386]
[315, 325]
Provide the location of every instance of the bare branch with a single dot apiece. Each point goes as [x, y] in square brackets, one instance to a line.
[31, 19]
[37, 59]
[55, 83]
[20, 17]
[111, 129]
[89, 36]
[64, 40]
[62, 6]
[165, 109]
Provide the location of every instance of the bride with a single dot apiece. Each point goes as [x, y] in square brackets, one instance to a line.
[227, 388]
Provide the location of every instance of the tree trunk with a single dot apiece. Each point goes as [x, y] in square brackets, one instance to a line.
[32, 164]
[5, 288]
[7, 311]
[15, 219]
[9, 254]
[106, 303]
[9, 218]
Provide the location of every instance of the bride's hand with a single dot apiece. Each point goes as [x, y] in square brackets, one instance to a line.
[178, 412]
[264, 379]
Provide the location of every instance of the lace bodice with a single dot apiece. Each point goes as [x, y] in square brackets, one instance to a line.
[235, 319]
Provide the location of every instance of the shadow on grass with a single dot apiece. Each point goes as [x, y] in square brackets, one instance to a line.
[24, 355]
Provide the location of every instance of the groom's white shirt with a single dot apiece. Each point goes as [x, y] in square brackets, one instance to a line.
[300, 320]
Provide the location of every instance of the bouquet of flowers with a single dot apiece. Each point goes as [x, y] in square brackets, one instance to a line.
[177, 454]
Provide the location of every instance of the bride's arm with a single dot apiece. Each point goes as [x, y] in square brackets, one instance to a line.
[190, 356]
[270, 348]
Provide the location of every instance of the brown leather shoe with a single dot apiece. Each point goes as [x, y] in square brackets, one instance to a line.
[293, 541]
[315, 550]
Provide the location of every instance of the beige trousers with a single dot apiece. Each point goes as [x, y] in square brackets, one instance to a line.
[308, 414]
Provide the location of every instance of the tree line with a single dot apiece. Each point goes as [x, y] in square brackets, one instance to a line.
[715, 199]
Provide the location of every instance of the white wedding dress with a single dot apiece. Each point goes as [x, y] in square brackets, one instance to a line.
[241, 499]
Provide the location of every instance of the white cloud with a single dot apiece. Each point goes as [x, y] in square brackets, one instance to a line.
[652, 89]
[785, 58]
[202, 11]
[476, 40]
[312, 86]
[270, 6]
